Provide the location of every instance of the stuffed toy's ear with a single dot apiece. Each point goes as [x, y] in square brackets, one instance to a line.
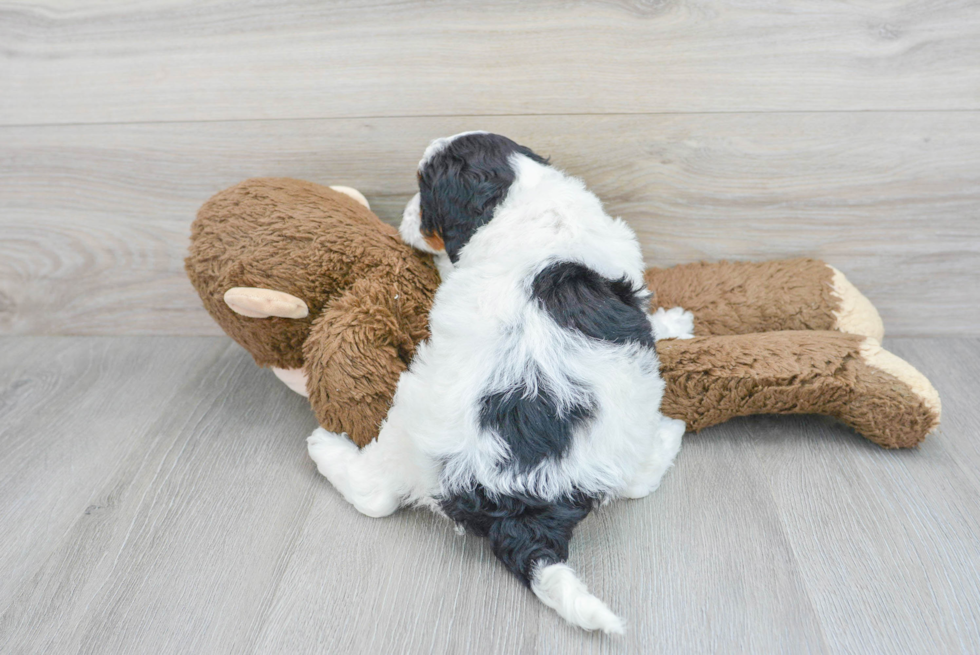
[255, 302]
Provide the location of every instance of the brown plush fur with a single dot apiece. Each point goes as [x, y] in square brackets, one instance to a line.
[368, 293]
[765, 341]
[747, 297]
[359, 346]
[715, 378]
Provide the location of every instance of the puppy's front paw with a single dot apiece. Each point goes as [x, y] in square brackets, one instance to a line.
[674, 323]
[332, 453]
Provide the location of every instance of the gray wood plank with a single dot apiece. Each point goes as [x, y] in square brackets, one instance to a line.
[887, 542]
[954, 367]
[163, 60]
[700, 566]
[95, 218]
[70, 411]
[209, 530]
[181, 546]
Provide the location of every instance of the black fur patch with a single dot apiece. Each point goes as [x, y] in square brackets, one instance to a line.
[578, 298]
[462, 184]
[523, 531]
[531, 425]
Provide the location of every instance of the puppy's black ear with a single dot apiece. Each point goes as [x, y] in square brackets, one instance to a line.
[462, 184]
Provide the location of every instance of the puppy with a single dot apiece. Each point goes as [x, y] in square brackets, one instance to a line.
[536, 399]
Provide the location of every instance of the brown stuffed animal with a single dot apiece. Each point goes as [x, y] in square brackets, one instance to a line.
[314, 285]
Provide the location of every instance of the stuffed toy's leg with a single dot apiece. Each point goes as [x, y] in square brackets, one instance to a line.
[850, 377]
[748, 297]
[357, 349]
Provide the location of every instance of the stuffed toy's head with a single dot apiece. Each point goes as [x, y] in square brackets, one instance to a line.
[276, 260]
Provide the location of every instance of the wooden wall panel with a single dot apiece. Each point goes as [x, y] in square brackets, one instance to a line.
[167, 60]
[94, 219]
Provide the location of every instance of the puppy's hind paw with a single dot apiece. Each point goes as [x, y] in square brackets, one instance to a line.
[674, 323]
[672, 432]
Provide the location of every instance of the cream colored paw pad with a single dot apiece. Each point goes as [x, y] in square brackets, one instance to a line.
[294, 378]
[856, 314]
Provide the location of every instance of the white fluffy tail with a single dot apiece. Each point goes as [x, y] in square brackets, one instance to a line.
[559, 589]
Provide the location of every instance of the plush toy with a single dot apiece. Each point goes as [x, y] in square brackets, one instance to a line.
[315, 286]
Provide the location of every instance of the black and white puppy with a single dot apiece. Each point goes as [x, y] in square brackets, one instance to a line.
[537, 397]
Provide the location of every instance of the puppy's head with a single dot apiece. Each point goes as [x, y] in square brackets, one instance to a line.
[462, 179]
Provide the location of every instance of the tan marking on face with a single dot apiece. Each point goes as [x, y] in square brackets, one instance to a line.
[434, 240]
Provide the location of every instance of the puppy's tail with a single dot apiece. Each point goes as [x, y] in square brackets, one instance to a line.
[558, 588]
[530, 536]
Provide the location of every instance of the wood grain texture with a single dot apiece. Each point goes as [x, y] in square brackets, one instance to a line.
[878, 537]
[687, 577]
[179, 548]
[96, 219]
[956, 368]
[205, 528]
[164, 60]
[70, 410]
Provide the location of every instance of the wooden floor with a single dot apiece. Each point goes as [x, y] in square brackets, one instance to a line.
[156, 497]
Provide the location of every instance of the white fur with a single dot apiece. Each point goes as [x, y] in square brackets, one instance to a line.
[439, 144]
[675, 323]
[487, 335]
[410, 230]
[558, 588]
[475, 348]
[647, 480]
